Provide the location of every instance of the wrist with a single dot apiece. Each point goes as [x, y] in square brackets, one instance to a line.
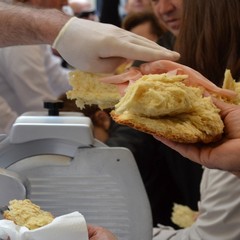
[52, 21]
[61, 31]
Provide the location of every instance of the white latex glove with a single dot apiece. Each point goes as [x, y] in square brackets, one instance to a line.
[97, 47]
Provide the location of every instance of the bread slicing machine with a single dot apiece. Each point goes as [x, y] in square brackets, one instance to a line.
[53, 159]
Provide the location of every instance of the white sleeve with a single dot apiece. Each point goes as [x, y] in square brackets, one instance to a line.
[219, 210]
[58, 75]
[29, 75]
[7, 117]
[219, 207]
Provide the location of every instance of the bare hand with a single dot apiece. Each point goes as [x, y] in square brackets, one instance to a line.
[224, 154]
[99, 233]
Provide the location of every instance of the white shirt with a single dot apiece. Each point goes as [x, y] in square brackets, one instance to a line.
[29, 75]
[219, 210]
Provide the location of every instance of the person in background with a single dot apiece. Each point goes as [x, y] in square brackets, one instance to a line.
[84, 10]
[79, 6]
[144, 24]
[137, 6]
[110, 12]
[169, 14]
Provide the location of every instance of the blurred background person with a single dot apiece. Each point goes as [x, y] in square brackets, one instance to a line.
[84, 9]
[114, 11]
[144, 24]
[136, 6]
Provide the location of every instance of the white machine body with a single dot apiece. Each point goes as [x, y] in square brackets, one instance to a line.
[56, 162]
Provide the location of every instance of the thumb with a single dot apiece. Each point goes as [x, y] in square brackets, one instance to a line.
[224, 106]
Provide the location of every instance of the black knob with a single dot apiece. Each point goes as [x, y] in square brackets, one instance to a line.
[53, 107]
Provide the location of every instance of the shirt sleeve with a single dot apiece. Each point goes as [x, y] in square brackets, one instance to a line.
[31, 76]
[219, 211]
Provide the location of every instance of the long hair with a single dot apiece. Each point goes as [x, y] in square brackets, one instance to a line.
[209, 40]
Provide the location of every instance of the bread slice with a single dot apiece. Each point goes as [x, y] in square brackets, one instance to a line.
[87, 90]
[158, 104]
[164, 106]
[231, 84]
[183, 216]
[25, 213]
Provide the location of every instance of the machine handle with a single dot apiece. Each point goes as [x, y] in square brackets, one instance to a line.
[53, 107]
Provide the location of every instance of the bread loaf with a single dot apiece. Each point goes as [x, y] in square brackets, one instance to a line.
[183, 216]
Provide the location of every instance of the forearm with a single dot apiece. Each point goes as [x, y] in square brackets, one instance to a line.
[26, 25]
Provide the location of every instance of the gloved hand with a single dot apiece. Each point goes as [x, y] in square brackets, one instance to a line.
[97, 47]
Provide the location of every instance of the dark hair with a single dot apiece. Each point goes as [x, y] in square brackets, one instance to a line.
[209, 39]
[134, 19]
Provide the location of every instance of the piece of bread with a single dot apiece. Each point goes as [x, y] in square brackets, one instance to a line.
[231, 84]
[183, 216]
[158, 104]
[87, 90]
[163, 105]
[25, 213]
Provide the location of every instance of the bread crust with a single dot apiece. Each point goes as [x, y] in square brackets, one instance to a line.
[172, 129]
